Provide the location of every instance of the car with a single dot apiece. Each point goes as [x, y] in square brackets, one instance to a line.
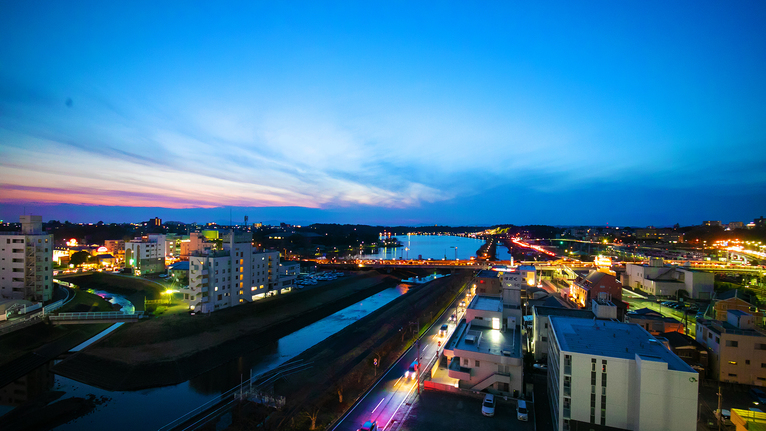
[443, 330]
[453, 318]
[369, 426]
[522, 413]
[488, 406]
[412, 372]
[540, 367]
[462, 304]
[758, 395]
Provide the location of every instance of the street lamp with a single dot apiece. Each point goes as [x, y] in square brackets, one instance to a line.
[455, 252]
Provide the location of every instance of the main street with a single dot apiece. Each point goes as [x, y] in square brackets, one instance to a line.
[391, 392]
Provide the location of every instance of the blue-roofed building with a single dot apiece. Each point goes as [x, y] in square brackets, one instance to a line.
[605, 374]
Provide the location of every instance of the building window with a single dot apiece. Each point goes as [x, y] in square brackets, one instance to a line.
[760, 346]
[478, 363]
[732, 375]
[732, 343]
[732, 362]
[747, 361]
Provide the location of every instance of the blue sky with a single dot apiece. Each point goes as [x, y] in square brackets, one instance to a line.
[435, 113]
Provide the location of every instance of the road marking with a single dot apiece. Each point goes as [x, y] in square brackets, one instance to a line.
[398, 407]
[376, 407]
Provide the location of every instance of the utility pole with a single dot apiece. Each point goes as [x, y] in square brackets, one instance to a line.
[719, 414]
[417, 382]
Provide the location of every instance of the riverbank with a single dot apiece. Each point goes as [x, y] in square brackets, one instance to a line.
[173, 349]
[135, 289]
[342, 365]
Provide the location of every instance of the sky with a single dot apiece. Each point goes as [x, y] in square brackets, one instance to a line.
[626, 113]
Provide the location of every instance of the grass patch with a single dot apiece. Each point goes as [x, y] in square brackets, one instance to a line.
[85, 302]
[120, 284]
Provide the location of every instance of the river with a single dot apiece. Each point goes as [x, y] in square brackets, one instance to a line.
[435, 247]
[153, 408]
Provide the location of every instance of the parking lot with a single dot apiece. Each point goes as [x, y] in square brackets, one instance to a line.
[437, 410]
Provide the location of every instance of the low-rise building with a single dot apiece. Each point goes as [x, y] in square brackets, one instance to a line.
[659, 279]
[596, 285]
[483, 354]
[735, 299]
[737, 348]
[688, 349]
[288, 274]
[654, 322]
[609, 375]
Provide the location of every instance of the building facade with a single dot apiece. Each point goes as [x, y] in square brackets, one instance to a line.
[541, 325]
[483, 354]
[658, 279]
[607, 375]
[146, 254]
[235, 275]
[26, 262]
[737, 348]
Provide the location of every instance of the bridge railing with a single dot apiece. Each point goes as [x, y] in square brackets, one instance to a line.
[97, 315]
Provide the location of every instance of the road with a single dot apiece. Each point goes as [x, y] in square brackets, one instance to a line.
[392, 391]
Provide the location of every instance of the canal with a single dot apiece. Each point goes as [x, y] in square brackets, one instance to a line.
[153, 408]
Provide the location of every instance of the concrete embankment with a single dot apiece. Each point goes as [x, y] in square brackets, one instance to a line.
[163, 352]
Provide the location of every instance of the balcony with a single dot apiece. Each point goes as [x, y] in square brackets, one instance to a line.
[456, 371]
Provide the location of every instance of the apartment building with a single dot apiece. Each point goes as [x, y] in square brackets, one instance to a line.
[224, 278]
[659, 279]
[609, 375]
[146, 254]
[484, 354]
[541, 326]
[737, 348]
[26, 262]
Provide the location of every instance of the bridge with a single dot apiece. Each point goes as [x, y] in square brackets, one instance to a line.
[95, 317]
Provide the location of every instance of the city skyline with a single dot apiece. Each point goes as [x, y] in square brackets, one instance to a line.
[390, 114]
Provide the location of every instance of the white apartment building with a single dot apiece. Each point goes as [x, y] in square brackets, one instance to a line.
[146, 254]
[482, 353]
[541, 326]
[659, 279]
[26, 262]
[608, 375]
[225, 278]
[737, 348]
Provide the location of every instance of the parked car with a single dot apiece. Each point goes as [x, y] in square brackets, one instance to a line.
[522, 413]
[541, 367]
[488, 406]
[369, 426]
[758, 395]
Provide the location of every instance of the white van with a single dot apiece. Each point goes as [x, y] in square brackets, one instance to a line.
[521, 410]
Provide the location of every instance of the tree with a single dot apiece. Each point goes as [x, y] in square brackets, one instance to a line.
[79, 258]
[312, 414]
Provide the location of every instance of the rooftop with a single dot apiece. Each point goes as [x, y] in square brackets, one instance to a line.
[486, 340]
[487, 273]
[613, 339]
[567, 312]
[180, 266]
[486, 303]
